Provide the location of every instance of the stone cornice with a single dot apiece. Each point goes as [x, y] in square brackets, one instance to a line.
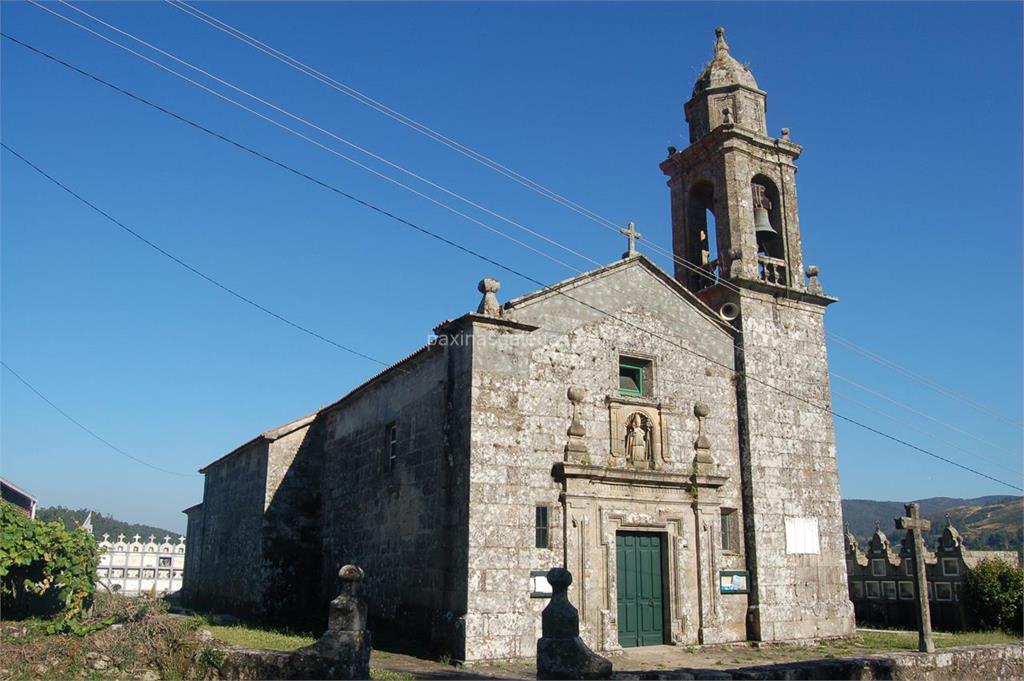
[642, 477]
[451, 325]
[728, 136]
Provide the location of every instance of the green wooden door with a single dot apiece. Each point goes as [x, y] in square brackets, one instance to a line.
[639, 581]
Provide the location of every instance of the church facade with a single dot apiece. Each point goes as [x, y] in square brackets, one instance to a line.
[664, 436]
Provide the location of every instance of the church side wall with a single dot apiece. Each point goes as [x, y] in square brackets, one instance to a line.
[792, 474]
[520, 418]
[398, 518]
[290, 545]
[194, 557]
[231, 537]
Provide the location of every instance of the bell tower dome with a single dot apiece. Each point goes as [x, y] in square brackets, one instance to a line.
[725, 92]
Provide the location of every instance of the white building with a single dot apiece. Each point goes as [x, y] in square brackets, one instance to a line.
[135, 567]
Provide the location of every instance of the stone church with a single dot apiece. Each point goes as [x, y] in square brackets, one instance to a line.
[664, 436]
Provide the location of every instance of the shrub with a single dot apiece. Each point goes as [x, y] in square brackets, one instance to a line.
[994, 591]
[46, 570]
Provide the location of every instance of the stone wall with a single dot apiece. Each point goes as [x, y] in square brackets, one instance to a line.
[290, 544]
[791, 473]
[403, 521]
[520, 416]
[229, 574]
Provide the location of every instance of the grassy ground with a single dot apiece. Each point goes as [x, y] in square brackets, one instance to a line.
[907, 640]
[252, 637]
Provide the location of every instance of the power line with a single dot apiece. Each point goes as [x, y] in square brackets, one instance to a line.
[907, 424]
[498, 264]
[187, 266]
[536, 187]
[320, 129]
[309, 139]
[922, 414]
[78, 423]
[386, 110]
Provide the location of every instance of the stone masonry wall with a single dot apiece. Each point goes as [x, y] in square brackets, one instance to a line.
[291, 542]
[231, 537]
[520, 417]
[791, 471]
[400, 522]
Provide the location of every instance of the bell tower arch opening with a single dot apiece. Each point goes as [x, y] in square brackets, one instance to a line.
[701, 235]
[769, 230]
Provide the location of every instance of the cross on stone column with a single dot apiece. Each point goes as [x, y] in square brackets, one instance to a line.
[630, 233]
[916, 526]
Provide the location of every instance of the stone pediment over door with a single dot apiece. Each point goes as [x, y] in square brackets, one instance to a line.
[637, 434]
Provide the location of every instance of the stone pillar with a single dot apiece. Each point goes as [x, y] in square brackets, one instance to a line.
[561, 653]
[344, 649]
[706, 517]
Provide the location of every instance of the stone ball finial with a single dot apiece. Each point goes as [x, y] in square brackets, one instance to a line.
[576, 394]
[489, 303]
[351, 573]
[720, 32]
[701, 410]
[488, 285]
[559, 578]
[785, 134]
[672, 150]
[812, 271]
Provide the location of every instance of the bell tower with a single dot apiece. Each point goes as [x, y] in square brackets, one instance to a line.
[736, 239]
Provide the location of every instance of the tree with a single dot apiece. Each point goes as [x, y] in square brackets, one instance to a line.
[994, 591]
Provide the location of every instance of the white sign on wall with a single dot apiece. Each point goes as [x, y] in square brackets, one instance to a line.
[802, 535]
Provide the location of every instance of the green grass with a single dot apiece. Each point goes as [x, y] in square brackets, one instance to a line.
[269, 639]
[377, 674]
[907, 640]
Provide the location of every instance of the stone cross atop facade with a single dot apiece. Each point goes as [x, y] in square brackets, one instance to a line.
[630, 233]
[916, 527]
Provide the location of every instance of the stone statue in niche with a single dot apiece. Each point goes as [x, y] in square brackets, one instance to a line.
[638, 438]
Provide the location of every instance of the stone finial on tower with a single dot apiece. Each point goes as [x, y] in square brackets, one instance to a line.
[576, 447]
[489, 303]
[720, 44]
[813, 284]
[785, 135]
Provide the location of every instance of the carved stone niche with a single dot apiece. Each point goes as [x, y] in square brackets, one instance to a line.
[638, 438]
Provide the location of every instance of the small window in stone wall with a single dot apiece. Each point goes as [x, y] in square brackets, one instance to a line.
[878, 566]
[943, 591]
[872, 589]
[890, 590]
[635, 377]
[730, 530]
[542, 528]
[391, 439]
[856, 590]
[950, 567]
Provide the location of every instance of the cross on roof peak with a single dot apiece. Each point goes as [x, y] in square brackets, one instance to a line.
[630, 233]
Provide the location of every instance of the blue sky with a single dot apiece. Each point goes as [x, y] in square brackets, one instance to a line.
[910, 199]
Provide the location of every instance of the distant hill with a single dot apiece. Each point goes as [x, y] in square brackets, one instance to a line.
[101, 523]
[993, 522]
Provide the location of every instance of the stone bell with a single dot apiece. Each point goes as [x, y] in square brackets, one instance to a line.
[763, 229]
